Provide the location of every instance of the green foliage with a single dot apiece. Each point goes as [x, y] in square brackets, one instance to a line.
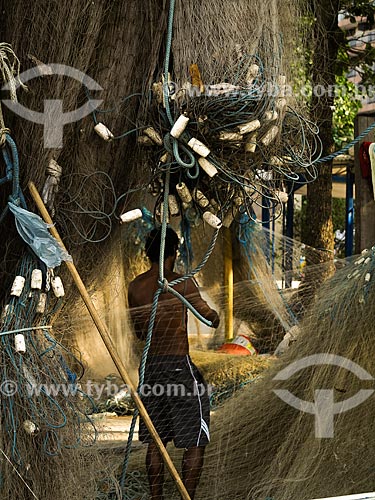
[363, 8]
[301, 65]
[348, 96]
[347, 104]
[360, 58]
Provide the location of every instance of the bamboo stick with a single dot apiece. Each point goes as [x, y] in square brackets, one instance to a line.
[104, 333]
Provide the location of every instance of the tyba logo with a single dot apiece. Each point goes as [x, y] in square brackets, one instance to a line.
[323, 407]
[53, 118]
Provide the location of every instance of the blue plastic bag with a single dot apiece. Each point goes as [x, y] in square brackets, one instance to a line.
[34, 231]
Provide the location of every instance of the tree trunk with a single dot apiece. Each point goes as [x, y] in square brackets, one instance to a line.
[319, 228]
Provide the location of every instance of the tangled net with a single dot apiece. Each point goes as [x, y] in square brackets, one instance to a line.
[260, 447]
[273, 446]
[230, 136]
[46, 421]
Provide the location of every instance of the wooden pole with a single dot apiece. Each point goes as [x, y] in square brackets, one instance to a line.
[228, 283]
[104, 333]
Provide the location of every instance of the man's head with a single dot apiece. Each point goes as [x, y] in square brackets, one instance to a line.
[153, 244]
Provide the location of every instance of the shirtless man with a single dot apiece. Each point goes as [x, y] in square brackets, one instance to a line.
[174, 392]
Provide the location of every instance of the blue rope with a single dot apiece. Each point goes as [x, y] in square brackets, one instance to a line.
[199, 266]
[96, 111]
[167, 59]
[42, 375]
[10, 155]
[348, 146]
[9, 170]
[175, 143]
[163, 285]
[151, 324]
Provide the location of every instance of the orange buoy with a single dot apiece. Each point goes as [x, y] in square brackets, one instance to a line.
[241, 346]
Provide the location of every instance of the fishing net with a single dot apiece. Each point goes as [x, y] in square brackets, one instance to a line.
[91, 174]
[245, 140]
[261, 447]
[281, 454]
[247, 60]
[224, 120]
[45, 435]
[46, 423]
[264, 312]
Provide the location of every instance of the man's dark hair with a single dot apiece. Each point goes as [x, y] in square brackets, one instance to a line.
[153, 244]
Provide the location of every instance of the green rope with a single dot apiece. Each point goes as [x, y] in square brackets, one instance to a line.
[175, 142]
[348, 146]
[10, 155]
[167, 59]
[151, 324]
[163, 285]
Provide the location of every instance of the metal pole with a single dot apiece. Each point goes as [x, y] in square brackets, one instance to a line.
[228, 283]
[266, 225]
[105, 335]
[349, 214]
[289, 243]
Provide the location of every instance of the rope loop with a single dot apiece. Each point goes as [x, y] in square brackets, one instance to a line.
[16, 200]
[3, 136]
[163, 284]
[189, 154]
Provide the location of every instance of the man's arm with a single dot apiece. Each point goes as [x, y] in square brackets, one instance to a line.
[194, 297]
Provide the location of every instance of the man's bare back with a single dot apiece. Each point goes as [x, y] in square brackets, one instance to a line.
[170, 330]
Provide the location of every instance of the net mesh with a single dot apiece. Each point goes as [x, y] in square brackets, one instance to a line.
[264, 314]
[254, 434]
[259, 447]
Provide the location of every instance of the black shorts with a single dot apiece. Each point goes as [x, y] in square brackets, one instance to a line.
[177, 400]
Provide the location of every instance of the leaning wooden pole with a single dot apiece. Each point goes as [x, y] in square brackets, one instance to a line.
[104, 333]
